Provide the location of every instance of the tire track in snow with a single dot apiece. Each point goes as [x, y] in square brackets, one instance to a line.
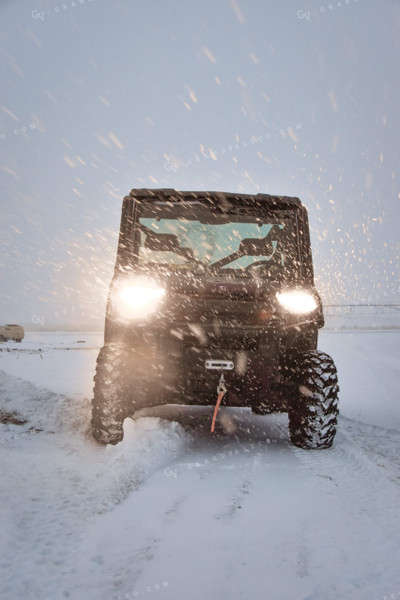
[363, 489]
[381, 444]
[237, 502]
[220, 501]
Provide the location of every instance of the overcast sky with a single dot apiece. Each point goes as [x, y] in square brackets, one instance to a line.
[100, 96]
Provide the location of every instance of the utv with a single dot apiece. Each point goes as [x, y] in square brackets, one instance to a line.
[11, 332]
[213, 301]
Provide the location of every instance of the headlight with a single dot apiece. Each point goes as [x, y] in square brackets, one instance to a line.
[139, 298]
[297, 301]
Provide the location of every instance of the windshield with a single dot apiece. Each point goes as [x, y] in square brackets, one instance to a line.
[192, 236]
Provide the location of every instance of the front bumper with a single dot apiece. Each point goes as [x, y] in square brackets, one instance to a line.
[170, 364]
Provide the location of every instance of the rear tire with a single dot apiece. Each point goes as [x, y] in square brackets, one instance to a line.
[313, 415]
[111, 395]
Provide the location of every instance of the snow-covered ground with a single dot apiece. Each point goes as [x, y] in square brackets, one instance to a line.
[175, 512]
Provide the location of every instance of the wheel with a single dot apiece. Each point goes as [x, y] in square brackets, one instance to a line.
[111, 395]
[314, 412]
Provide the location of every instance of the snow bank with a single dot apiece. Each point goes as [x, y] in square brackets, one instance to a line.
[57, 479]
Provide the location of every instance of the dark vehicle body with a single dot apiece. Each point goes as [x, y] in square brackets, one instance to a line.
[205, 284]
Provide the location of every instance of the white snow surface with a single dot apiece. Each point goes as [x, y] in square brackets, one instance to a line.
[175, 512]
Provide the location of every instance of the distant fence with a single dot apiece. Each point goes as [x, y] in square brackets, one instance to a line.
[362, 316]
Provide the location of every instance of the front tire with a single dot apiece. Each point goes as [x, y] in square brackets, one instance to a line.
[314, 412]
[111, 395]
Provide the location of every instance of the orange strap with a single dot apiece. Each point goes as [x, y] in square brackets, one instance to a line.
[220, 396]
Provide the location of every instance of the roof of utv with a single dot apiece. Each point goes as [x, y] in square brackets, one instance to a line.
[277, 202]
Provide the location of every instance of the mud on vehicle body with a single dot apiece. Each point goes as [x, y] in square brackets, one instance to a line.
[212, 288]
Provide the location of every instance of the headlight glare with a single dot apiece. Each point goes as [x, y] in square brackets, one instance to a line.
[297, 302]
[139, 299]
